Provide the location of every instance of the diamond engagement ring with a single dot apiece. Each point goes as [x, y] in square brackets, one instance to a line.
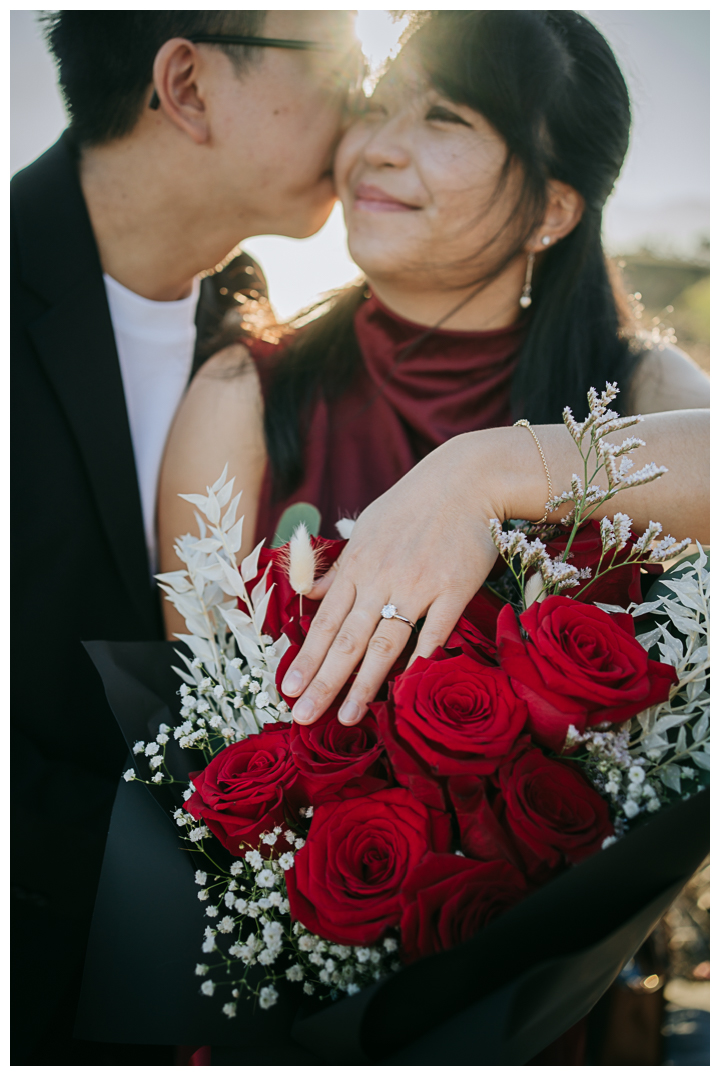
[391, 612]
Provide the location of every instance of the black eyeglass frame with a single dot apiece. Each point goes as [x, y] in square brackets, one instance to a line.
[258, 42]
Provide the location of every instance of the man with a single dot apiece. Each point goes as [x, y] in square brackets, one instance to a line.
[189, 130]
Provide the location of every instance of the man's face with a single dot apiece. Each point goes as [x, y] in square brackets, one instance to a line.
[274, 128]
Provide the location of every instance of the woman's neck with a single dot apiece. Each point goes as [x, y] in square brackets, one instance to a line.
[495, 306]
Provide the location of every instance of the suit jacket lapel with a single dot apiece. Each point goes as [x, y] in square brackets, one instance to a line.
[76, 345]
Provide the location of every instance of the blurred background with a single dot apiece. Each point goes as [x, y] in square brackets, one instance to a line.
[657, 230]
[657, 221]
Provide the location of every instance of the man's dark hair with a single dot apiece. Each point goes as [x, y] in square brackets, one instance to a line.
[105, 59]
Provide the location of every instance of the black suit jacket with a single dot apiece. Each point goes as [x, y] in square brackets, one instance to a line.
[79, 564]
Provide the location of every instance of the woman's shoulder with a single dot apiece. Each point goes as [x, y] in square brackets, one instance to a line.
[665, 379]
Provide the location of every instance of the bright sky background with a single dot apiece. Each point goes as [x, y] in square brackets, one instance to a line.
[662, 196]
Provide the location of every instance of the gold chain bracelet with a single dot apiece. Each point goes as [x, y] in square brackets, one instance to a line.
[526, 424]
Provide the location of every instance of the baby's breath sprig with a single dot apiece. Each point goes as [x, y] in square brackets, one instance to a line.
[536, 574]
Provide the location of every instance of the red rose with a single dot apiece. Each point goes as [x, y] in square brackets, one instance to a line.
[329, 756]
[248, 789]
[618, 586]
[347, 879]
[456, 714]
[536, 812]
[408, 768]
[448, 898]
[475, 630]
[577, 665]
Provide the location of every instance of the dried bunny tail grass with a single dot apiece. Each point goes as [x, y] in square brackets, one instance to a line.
[301, 561]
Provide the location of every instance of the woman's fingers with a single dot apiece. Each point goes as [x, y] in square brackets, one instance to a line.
[323, 631]
[340, 660]
[441, 618]
[383, 649]
[322, 585]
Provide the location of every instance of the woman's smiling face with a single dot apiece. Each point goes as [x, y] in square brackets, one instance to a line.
[419, 178]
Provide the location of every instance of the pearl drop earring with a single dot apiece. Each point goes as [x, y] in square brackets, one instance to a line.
[526, 298]
[545, 241]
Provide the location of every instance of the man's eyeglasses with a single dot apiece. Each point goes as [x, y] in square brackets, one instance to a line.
[355, 81]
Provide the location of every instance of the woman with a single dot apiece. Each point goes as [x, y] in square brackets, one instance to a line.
[473, 190]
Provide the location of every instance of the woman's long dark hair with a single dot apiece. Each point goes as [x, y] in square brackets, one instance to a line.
[550, 85]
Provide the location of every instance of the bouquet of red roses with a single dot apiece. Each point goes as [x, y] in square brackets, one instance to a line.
[331, 855]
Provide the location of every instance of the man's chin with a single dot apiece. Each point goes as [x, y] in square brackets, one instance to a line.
[310, 222]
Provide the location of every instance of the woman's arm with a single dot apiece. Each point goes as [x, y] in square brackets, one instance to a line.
[667, 379]
[425, 545]
[219, 421]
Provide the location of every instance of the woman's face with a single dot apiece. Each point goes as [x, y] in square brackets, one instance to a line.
[418, 179]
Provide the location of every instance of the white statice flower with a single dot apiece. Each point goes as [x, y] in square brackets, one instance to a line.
[270, 650]
[201, 969]
[352, 988]
[211, 911]
[636, 774]
[207, 988]
[299, 843]
[129, 774]
[195, 663]
[262, 700]
[653, 804]
[390, 945]
[236, 993]
[226, 925]
[203, 895]
[294, 973]
[317, 958]
[254, 859]
[186, 794]
[230, 1009]
[162, 738]
[362, 954]
[201, 833]
[156, 762]
[236, 868]
[218, 692]
[229, 900]
[688, 773]
[238, 701]
[286, 860]
[289, 836]
[275, 899]
[232, 886]
[256, 672]
[324, 977]
[244, 682]
[236, 663]
[204, 707]
[241, 905]
[612, 787]
[306, 943]
[189, 702]
[151, 749]
[206, 684]
[254, 687]
[138, 748]
[308, 989]
[266, 879]
[208, 945]
[157, 778]
[253, 909]
[631, 808]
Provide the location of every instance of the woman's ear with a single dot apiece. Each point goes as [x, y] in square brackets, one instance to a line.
[565, 207]
[176, 83]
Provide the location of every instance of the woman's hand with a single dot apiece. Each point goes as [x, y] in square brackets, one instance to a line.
[423, 546]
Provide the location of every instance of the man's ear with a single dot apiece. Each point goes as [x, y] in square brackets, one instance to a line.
[565, 207]
[176, 83]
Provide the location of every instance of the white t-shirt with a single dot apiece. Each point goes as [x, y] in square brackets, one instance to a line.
[155, 343]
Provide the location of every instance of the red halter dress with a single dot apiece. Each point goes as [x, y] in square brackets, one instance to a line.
[403, 403]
